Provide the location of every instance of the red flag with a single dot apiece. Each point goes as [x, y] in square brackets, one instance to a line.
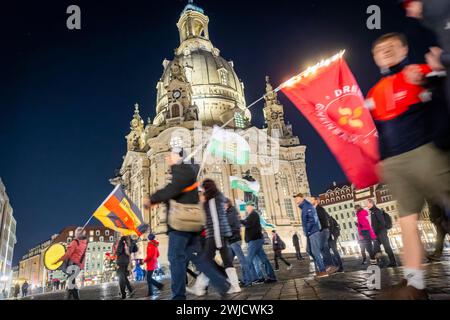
[330, 98]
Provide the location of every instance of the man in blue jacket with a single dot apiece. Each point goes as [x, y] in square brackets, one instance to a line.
[311, 229]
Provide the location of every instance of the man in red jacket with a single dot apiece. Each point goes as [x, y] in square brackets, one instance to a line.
[152, 264]
[412, 166]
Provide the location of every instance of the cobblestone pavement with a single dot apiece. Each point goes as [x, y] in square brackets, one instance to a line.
[295, 284]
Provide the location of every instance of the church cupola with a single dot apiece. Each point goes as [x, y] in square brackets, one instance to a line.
[193, 23]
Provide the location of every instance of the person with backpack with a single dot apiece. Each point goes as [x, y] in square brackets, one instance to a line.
[124, 250]
[278, 246]
[381, 222]
[335, 232]
[74, 259]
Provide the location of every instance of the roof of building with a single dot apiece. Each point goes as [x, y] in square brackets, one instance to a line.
[192, 7]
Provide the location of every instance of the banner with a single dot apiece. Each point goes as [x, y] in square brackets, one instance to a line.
[330, 98]
[229, 145]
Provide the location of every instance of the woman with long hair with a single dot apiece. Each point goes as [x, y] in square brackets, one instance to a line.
[217, 231]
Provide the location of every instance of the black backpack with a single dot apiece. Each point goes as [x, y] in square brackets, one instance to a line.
[387, 220]
[335, 229]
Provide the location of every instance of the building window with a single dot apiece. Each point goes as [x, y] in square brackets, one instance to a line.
[348, 215]
[223, 77]
[91, 233]
[239, 120]
[111, 238]
[69, 239]
[106, 232]
[345, 227]
[342, 216]
[97, 232]
[101, 239]
[289, 209]
[349, 225]
[70, 233]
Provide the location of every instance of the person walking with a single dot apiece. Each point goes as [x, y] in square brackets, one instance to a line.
[441, 222]
[278, 246]
[366, 233]
[296, 244]
[184, 246]
[151, 261]
[248, 271]
[311, 230]
[138, 272]
[324, 219]
[335, 232]
[16, 290]
[24, 289]
[217, 231]
[255, 241]
[381, 223]
[123, 253]
[74, 260]
[412, 166]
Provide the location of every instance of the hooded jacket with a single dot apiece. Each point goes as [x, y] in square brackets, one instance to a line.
[253, 229]
[225, 229]
[235, 224]
[152, 255]
[364, 225]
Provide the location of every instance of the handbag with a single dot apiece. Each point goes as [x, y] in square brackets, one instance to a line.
[186, 217]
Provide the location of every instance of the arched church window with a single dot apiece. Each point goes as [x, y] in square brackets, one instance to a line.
[175, 111]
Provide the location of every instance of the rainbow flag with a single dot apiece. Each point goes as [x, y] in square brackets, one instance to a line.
[119, 213]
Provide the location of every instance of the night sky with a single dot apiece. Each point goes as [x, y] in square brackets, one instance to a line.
[67, 96]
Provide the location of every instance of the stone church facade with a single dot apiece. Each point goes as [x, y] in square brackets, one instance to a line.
[199, 89]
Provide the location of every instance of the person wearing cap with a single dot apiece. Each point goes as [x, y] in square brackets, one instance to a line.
[255, 240]
[184, 246]
[311, 229]
[151, 261]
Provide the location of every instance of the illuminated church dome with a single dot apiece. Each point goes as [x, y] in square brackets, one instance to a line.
[216, 89]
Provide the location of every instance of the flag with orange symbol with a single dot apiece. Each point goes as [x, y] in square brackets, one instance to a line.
[330, 98]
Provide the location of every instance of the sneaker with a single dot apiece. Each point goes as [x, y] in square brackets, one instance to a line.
[276, 269]
[373, 262]
[246, 285]
[401, 292]
[289, 267]
[131, 294]
[259, 281]
[270, 281]
[331, 270]
[322, 274]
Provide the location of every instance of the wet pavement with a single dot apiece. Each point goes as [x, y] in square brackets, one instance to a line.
[296, 284]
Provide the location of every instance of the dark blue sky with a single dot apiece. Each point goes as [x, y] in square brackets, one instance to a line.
[67, 96]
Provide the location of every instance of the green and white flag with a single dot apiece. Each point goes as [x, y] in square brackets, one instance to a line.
[244, 185]
[229, 145]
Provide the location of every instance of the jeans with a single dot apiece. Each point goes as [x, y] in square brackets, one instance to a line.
[255, 249]
[256, 264]
[279, 255]
[314, 248]
[383, 240]
[336, 256]
[152, 282]
[185, 246]
[122, 273]
[325, 248]
[248, 271]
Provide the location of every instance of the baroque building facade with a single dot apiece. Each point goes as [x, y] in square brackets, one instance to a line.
[199, 89]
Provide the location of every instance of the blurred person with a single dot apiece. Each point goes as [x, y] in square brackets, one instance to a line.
[184, 246]
[441, 222]
[24, 289]
[123, 253]
[296, 244]
[380, 225]
[411, 165]
[324, 219]
[248, 271]
[311, 229]
[278, 246]
[75, 256]
[335, 232]
[255, 241]
[151, 261]
[365, 231]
